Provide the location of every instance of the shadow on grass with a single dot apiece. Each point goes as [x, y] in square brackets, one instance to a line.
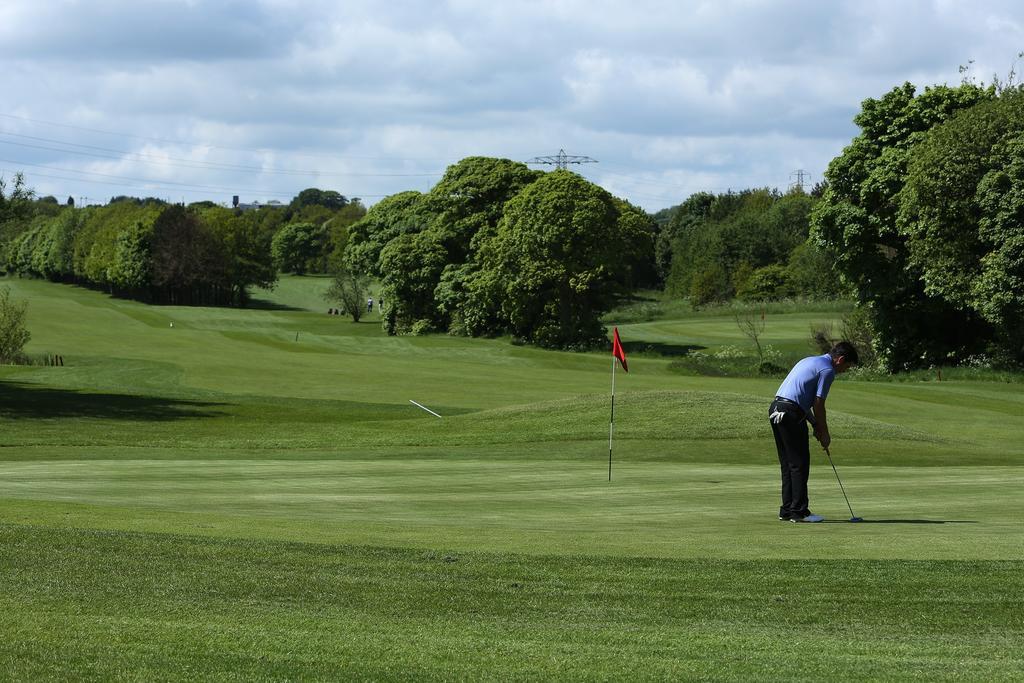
[901, 521]
[21, 401]
[267, 305]
[670, 350]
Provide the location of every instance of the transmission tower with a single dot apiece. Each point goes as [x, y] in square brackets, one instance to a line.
[562, 160]
[801, 176]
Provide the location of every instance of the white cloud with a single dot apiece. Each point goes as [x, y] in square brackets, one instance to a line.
[370, 98]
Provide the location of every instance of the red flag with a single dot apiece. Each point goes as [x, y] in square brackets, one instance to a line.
[617, 349]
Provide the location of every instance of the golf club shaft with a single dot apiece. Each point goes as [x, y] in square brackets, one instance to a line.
[841, 488]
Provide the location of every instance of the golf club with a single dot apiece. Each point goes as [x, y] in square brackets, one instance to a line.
[853, 517]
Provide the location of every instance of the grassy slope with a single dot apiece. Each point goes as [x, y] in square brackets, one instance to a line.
[225, 441]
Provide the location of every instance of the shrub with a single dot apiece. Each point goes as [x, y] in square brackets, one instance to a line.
[769, 283]
[13, 333]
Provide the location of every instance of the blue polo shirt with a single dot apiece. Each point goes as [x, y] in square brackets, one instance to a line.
[808, 379]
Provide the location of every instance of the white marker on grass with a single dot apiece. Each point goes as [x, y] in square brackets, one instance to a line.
[424, 408]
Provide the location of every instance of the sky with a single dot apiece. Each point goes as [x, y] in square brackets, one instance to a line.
[190, 100]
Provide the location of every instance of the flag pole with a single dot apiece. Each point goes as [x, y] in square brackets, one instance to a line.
[611, 423]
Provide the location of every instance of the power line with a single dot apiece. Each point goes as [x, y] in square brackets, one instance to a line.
[191, 163]
[209, 146]
[150, 185]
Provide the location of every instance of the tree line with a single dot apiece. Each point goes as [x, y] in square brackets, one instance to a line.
[153, 251]
[920, 220]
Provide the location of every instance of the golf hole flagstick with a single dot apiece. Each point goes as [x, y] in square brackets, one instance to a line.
[618, 354]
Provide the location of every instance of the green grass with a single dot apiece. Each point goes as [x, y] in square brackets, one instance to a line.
[217, 500]
[154, 606]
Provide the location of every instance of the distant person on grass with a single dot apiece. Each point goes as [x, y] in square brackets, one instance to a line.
[799, 400]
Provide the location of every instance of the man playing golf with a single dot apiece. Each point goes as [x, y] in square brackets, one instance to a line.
[801, 399]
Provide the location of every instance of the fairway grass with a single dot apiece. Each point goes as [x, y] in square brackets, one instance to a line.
[250, 495]
[91, 604]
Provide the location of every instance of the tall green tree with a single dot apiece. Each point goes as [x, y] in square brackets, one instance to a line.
[15, 198]
[683, 224]
[296, 246]
[129, 271]
[467, 205]
[857, 221]
[556, 260]
[247, 246]
[313, 196]
[962, 216]
[411, 265]
[190, 265]
[399, 214]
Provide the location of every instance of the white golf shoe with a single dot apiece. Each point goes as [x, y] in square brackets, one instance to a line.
[808, 519]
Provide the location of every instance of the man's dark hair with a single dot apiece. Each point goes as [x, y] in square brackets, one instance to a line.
[846, 349]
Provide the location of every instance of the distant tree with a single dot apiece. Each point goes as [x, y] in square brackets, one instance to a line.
[13, 333]
[399, 214]
[60, 256]
[296, 245]
[250, 262]
[15, 199]
[720, 240]
[46, 206]
[129, 271]
[124, 198]
[71, 201]
[190, 264]
[467, 205]
[811, 272]
[640, 232]
[338, 232]
[682, 223]
[94, 245]
[315, 197]
[411, 264]
[348, 289]
[768, 283]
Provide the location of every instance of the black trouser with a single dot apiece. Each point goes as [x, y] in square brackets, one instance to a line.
[791, 440]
